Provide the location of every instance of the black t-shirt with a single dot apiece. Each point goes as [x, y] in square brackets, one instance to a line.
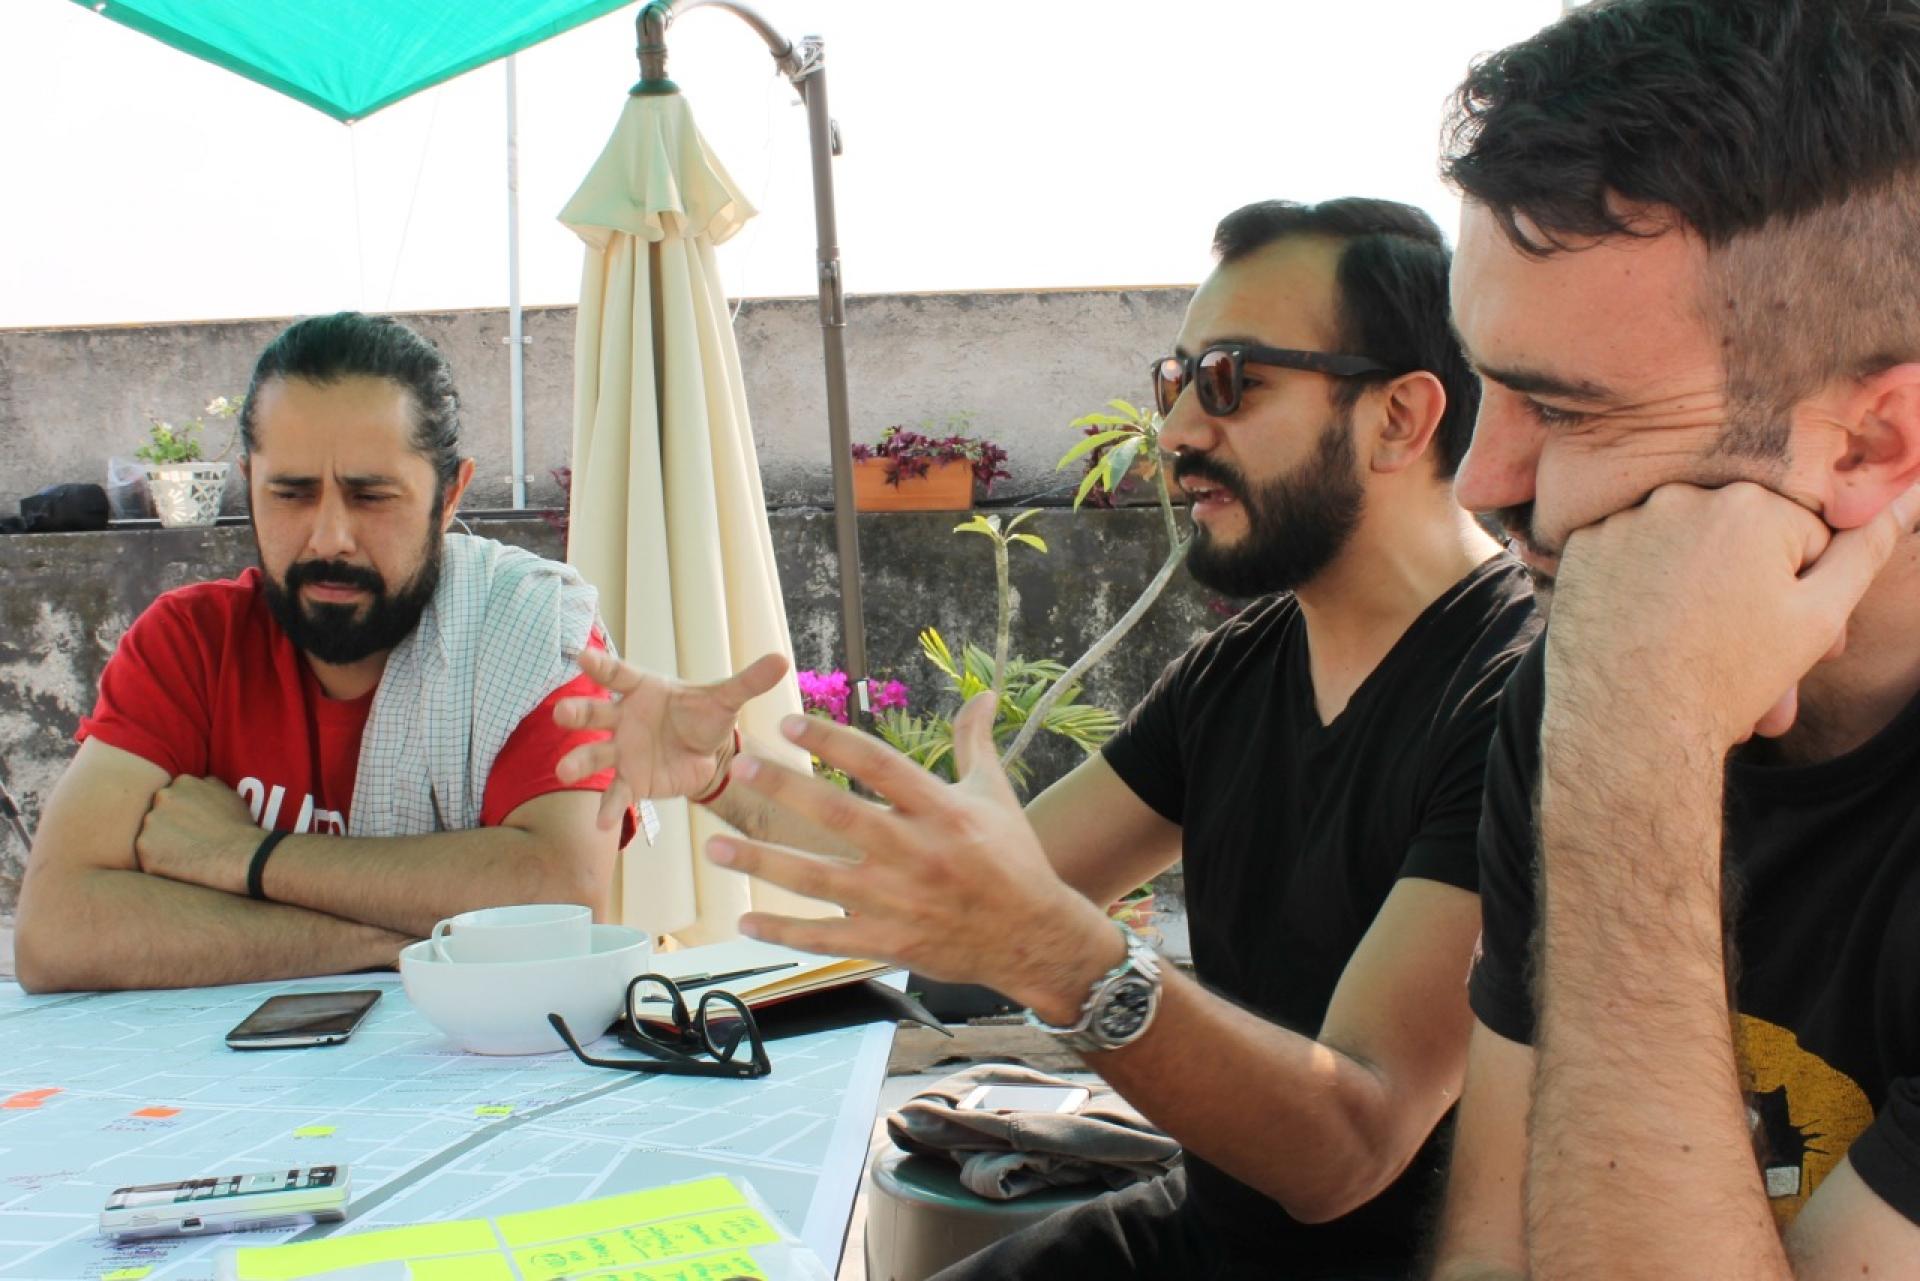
[1294, 832]
[1826, 859]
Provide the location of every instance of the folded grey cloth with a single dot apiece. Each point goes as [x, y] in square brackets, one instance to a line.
[1003, 1155]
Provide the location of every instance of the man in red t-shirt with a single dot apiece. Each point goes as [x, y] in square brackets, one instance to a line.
[370, 652]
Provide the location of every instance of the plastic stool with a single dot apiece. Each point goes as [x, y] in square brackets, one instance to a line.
[921, 1218]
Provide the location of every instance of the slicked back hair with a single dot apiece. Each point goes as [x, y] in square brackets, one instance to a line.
[1784, 133]
[348, 344]
[1390, 294]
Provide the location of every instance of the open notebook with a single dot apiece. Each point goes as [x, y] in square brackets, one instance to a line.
[804, 971]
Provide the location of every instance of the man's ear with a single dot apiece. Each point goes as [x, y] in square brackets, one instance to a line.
[1411, 406]
[456, 489]
[1878, 457]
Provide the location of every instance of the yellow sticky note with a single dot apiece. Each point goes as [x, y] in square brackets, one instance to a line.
[536, 1226]
[291, 1262]
[125, 1274]
[466, 1267]
[313, 1132]
[655, 1242]
[493, 1109]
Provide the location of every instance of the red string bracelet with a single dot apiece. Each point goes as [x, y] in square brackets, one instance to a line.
[726, 774]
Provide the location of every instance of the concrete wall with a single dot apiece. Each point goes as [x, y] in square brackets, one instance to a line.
[1023, 364]
[65, 600]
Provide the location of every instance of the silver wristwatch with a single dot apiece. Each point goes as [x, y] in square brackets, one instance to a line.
[1120, 1006]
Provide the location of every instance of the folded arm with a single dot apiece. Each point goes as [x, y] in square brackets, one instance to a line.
[548, 850]
[89, 918]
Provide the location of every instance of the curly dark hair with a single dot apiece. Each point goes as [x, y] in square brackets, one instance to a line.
[1784, 133]
[1391, 281]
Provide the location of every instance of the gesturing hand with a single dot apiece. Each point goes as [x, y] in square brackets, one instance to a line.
[952, 881]
[1704, 608]
[670, 738]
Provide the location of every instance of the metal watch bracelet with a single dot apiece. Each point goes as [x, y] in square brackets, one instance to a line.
[1120, 1005]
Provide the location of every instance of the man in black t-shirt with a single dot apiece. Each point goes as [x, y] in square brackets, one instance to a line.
[1318, 761]
[1688, 271]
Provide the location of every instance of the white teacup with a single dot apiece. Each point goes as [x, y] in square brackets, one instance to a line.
[535, 932]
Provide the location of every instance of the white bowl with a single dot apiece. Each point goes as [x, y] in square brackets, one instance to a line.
[501, 1007]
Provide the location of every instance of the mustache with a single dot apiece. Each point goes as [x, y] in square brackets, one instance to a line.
[1191, 466]
[334, 573]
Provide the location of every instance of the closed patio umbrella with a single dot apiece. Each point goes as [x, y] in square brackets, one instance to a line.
[667, 517]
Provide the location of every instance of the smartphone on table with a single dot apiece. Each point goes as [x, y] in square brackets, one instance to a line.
[302, 1018]
[230, 1203]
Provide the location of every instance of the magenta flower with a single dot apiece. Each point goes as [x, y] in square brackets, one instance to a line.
[827, 693]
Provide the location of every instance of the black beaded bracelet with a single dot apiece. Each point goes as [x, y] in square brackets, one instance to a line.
[256, 871]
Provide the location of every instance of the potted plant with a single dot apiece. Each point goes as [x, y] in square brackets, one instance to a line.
[918, 471]
[186, 485]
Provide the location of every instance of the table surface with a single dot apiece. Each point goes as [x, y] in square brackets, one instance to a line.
[106, 1090]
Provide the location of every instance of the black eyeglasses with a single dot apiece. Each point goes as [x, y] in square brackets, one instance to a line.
[1218, 374]
[717, 1038]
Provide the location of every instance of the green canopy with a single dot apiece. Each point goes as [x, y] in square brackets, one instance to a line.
[349, 58]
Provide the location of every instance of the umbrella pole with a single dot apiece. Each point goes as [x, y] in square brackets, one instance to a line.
[516, 334]
[805, 68]
[811, 80]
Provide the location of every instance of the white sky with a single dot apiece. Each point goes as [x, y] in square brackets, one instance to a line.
[1048, 143]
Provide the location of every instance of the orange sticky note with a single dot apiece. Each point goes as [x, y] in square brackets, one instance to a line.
[158, 1114]
[29, 1098]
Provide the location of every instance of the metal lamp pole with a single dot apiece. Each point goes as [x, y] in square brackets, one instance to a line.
[805, 68]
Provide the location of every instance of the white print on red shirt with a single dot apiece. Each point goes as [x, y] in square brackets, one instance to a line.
[265, 807]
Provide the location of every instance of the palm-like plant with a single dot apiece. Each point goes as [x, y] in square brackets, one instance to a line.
[927, 738]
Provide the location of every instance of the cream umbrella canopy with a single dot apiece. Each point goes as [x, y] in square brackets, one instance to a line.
[667, 517]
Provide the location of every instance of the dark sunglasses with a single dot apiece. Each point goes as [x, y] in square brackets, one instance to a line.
[1218, 374]
[717, 1037]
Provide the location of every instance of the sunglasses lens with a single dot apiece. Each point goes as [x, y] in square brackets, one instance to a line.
[1169, 375]
[1214, 382]
[723, 1025]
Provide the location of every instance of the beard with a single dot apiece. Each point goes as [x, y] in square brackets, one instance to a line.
[342, 634]
[1296, 524]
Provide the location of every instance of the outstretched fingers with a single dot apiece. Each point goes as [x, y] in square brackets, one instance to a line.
[824, 936]
[809, 875]
[886, 772]
[586, 760]
[614, 803]
[751, 681]
[860, 823]
[609, 672]
[586, 713]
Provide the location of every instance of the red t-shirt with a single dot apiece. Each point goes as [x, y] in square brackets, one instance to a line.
[206, 683]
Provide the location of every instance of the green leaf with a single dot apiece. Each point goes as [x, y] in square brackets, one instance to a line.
[1087, 445]
[1120, 461]
[1031, 540]
[1024, 516]
[934, 646]
[976, 525]
[1128, 408]
[1087, 483]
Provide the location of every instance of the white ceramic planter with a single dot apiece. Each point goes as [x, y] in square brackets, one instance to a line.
[187, 494]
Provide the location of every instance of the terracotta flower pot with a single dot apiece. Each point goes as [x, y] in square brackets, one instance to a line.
[947, 487]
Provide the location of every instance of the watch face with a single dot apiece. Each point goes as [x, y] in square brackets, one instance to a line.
[1125, 1011]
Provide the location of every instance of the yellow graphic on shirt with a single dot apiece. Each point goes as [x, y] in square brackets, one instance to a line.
[1807, 1113]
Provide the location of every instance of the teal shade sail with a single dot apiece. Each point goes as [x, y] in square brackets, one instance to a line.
[349, 58]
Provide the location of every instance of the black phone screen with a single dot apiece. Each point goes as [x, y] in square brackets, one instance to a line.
[298, 1015]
